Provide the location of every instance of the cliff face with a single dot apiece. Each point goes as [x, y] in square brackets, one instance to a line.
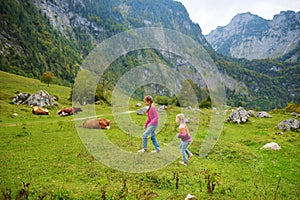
[252, 37]
[102, 19]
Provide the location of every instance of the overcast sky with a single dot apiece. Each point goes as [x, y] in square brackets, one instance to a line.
[210, 14]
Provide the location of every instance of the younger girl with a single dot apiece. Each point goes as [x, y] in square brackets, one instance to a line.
[185, 137]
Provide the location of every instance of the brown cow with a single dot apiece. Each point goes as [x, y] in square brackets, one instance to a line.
[69, 111]
[39, 111]
[97, 123]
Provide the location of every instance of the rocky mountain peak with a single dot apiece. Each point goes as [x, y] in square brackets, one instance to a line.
[250, 36]
[244, 18]
[288, 20]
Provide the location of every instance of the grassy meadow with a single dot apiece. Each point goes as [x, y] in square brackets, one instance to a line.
[42, 157]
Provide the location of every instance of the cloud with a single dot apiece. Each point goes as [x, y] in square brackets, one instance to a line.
[211, 14]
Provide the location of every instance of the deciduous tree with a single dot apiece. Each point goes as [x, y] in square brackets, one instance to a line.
[48, 77]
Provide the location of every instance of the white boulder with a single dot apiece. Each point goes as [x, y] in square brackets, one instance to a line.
[271, 146]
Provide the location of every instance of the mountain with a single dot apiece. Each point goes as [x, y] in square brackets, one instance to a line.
[100, 19]
[29, 45]
[57, 35]
[252, 37]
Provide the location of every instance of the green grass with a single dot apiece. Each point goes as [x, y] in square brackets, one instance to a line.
[47, 153]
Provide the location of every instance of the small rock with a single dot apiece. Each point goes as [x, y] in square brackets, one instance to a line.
[189, 196]
[295, 114]
[162, 108]
[271, 146]
[263, 114]
[279, 133]
[141, 111]
[138, 105]
[250, 113]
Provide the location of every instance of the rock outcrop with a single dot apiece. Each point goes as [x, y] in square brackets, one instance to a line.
[20, 98]
[40, 98]
[289, 124]
[239, 115]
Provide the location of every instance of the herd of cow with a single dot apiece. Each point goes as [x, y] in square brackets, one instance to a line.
[99, 123]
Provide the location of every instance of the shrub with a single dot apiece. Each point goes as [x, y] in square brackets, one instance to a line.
[291, 107]
[162, 100]
[205, 103]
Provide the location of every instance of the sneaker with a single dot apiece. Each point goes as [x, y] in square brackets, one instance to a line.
[190, 156]
[155, 151]
[142, 151]
[183, 163]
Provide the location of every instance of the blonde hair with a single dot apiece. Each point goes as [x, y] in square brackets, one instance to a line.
[180, 117]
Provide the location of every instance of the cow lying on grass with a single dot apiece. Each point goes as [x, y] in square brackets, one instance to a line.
[39, 111]
[69, 111]
[99, 123]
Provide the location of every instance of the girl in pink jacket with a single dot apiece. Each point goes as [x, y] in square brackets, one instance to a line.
[150, 126]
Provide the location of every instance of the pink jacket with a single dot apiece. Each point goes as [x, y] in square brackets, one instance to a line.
[152, 117]
[184, 134]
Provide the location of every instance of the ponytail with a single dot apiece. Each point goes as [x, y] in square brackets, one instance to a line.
[150, 99]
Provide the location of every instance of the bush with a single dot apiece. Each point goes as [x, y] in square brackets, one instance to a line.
[162, 100]
[205, 103]
[291, 107]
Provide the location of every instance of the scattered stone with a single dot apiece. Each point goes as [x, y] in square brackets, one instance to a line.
[250, 113]
[271, 146]
[289, 124]
[141, 111]
[20, 98]
[138, 105]
[189, 196]
[191, 108]
[55, 98]
[238, 116]
[279, 133]
[295, 114]
[263, 114]
[162, 108]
